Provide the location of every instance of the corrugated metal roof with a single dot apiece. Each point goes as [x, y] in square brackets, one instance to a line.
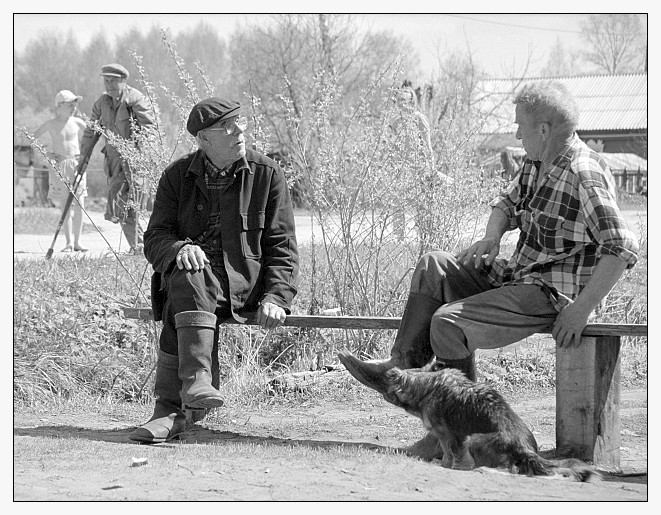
[605, 102]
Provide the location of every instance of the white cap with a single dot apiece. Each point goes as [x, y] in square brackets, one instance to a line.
[66, 96]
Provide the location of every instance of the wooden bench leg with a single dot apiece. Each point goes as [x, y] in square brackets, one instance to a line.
[588, 401]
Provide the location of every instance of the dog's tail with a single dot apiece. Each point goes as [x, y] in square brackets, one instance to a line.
[489, 450]
[532, 463]
[573, 469]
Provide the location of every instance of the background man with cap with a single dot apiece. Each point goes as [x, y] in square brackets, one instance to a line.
[65, 131]
[221, 240]
[114, 110]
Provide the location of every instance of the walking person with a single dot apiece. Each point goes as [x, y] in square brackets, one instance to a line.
[114, 110]
[65, 132]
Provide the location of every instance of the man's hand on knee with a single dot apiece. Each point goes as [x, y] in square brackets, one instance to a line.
[489, 247]
[270, 316]
[191, 257]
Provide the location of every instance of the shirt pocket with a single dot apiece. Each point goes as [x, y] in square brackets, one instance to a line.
[252, 225]
[550, 232]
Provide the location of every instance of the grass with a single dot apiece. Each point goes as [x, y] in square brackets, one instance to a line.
[44, 220]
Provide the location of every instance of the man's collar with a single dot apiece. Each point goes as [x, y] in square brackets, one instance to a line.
[213, 171]
[198, 164]
[565, 156]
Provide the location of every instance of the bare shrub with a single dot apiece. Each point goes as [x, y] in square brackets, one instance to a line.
[379, 200]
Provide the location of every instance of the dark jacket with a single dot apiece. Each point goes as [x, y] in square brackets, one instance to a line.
[258, 231]
[116, 117]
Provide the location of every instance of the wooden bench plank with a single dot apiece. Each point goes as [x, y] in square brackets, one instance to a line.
[371, 322]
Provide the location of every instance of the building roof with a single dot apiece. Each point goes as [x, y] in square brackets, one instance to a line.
[605, 102]
[619, 162]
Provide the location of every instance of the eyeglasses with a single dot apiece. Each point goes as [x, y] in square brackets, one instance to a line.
[229, 126]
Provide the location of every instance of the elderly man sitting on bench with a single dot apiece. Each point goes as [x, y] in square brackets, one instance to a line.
[573, 247]
[221, 241]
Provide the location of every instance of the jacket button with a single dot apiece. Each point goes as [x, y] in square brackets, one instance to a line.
[200, 207]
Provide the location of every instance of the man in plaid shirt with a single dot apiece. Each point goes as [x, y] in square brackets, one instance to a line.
[573, 247]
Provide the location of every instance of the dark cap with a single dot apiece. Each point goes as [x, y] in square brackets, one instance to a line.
[209, 111]
[115, 70]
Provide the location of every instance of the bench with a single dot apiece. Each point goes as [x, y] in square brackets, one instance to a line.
[587, 382]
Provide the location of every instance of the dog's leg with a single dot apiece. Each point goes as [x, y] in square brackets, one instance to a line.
[428, 448]
[463, 459]
[444, 440]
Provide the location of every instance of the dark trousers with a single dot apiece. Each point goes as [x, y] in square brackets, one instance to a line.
[459, 311]
[191, 291]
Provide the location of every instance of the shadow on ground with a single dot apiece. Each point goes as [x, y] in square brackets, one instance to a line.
[204, 435]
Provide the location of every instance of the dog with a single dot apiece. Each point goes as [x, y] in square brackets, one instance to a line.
[474, 424]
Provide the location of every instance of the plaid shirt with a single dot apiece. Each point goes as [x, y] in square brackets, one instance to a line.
[568, 219]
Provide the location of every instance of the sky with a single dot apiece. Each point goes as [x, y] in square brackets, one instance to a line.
[500, 43]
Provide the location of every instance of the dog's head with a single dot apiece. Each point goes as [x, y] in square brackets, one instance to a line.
[401, 388]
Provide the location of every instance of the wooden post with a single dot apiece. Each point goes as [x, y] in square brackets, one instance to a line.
[588, 401]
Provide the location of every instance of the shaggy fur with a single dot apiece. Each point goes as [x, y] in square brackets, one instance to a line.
[474, 424]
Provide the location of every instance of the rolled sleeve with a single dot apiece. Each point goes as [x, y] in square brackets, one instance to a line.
[507, 202]
[607, 226]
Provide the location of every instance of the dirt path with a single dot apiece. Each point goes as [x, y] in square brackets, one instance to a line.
[306, 450]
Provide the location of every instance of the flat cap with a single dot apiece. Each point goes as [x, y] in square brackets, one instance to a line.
[114, 70]
[209, 111]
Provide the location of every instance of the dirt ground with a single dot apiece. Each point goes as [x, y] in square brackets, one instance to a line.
[293, 451]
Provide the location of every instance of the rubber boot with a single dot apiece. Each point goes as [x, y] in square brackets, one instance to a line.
[370, 374]
[412, 347]
[195, 339]
[465, 365]
[168, 420]
[199, 415]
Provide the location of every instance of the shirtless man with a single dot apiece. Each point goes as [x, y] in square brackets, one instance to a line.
[66, 131]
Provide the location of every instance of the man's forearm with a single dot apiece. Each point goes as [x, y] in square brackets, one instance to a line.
[606, 274]
[497, 225]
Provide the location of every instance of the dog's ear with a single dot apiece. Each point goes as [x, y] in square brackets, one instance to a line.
[395, 376]
[434, 366]
[393, 373]
[396, 386]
